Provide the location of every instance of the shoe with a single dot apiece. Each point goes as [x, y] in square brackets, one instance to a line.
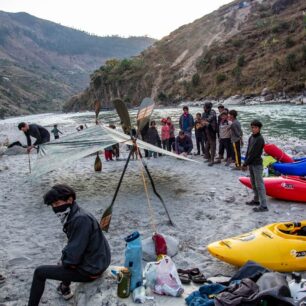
[210, 164]
[228, 162]
[236, 168]
[252, 203]
[2, 279]
[260, 209]
[197, 153]
[64, 291]
[218, 161]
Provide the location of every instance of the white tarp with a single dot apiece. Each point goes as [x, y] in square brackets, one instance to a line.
[63, 151]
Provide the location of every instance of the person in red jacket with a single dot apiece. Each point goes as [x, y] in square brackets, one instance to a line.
[165, 134]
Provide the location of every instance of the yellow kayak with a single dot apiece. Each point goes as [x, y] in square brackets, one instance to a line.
[278, 246]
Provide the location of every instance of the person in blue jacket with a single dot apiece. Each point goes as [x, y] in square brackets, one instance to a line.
[186, 122]
[87, 253]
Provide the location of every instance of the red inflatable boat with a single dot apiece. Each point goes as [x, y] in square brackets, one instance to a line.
[277, 153]
[291, 188]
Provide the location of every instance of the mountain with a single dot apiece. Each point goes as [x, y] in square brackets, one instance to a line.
[241, 48]
[42, 63]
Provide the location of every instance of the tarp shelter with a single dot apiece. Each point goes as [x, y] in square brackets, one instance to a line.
[62, 152]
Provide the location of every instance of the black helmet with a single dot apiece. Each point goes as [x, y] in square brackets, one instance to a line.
[208, 105]
[59, 192]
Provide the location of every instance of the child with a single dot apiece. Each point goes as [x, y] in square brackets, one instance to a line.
[254, 161]
[56, 131]
[115, 147]
[236, 138]
[108, 153]
[224, 139]
[199, 134]
[165, 134]
[172, 135]
[183, 144]
[153, 138]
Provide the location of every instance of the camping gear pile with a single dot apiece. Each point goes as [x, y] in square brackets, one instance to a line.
[160, 276]
[291, 185]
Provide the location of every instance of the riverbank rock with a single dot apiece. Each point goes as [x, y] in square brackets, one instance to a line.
[234, 100]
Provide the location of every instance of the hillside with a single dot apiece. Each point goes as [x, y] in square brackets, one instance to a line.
[42, 63]
[241, 48]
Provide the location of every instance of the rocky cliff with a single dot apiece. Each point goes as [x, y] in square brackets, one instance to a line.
[241, 48]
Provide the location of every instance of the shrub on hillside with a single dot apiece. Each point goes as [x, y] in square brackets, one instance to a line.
[280, 27]
[236, 73]
[195, 80]
[221, 77]
[241, 61]
[220, 60]
[291, 62]
[289, 43]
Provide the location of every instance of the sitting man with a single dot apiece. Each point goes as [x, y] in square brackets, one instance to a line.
[40, 133]
[86, 255]
[183, 144]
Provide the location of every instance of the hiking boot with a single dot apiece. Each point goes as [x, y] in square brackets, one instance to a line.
[260, 209]
[64, 291]
[210, 164]
[252, 203]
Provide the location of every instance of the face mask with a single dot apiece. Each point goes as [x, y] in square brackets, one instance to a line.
[62, 212]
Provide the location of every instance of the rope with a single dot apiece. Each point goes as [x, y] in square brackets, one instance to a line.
[151, 212]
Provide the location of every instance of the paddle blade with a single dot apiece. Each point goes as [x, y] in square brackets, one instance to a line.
[97, 107]
[144, 113]
[106, 219]
[123, 114]
[98, 163]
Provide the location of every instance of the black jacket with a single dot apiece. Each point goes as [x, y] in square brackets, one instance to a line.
[212, 128]
[152, 136]
[185, 144]
[87, 248]
[255, 147]
[38, 132]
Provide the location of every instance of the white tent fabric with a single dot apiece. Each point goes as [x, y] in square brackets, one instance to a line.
[61, 152]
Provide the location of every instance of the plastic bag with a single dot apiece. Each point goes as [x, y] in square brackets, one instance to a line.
[162, 277]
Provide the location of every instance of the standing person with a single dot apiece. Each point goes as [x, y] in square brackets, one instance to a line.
[236, 138]
[225, 139]
[115, 147]
[108, 153]
[144, 133]
[183, 144]
[40, 133]
[55, 131]
[153, 138]
[171, 131]
[86, 255]
[199, 134]
[186, 122]
[165, 134]
[209, 119]
[253, 160]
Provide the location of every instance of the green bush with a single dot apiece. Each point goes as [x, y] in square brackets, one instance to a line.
[291, 62]
[289, 43]
[280, 27]
[220, 60]
[220, 78]
[236, 73]
[162, 97]
[241, 61]
[237, 43]
[195, 80]
[277, 66]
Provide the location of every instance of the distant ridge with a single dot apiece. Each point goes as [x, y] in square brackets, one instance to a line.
[43, 63]
[240, 49]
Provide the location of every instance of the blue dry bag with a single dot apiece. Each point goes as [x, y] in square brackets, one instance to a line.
[133, 259]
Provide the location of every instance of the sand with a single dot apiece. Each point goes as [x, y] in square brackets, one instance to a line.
[206, 203]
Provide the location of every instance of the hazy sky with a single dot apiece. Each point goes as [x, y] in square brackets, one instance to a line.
[155, 18]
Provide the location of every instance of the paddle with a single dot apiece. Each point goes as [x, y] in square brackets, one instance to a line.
[142, 115]
[98, 162]
[123, 114]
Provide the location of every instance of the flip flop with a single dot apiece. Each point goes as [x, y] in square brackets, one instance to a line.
[185, 278]
[199, 279]
[194, 272]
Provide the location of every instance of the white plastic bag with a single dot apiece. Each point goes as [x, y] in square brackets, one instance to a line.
[162, 277]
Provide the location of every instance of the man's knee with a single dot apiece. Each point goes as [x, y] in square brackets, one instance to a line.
[40, 272]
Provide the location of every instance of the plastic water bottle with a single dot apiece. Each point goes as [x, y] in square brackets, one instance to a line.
[297, 286]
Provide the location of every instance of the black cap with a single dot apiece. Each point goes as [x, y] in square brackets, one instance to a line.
[256, 123]
[208, 105]
[59, 192]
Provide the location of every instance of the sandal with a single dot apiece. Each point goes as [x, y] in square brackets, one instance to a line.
[199, 279]
[194, 272]
[185, 278]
